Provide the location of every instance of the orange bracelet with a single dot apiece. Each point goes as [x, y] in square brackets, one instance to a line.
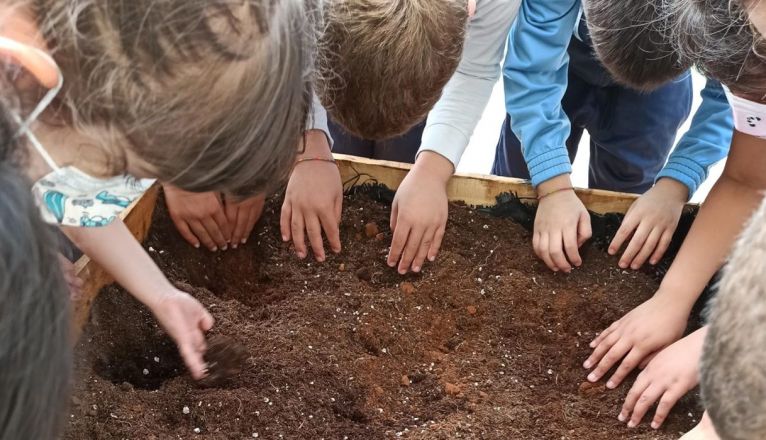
[315, 159]
[540, 197]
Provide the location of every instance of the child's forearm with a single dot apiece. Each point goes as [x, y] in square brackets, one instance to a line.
[733, 199]
[117, 251]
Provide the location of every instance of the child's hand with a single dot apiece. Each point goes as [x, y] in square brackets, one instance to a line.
[652, 220]
[242, 216]
[186, 321]
[313, 201]
[562, 225]
[74, 282]
[667, 377]
[199, 217]
[419, 213]
[645, 330]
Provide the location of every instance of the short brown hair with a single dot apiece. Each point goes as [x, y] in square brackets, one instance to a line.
[383, 63]
[633, 41]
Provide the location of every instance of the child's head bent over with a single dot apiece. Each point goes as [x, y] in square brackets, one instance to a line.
[207, 95]
[383, 63]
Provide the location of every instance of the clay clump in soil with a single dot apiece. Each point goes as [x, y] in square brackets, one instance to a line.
[486, 343]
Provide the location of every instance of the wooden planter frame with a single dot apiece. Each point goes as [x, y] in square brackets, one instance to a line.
[473, 189]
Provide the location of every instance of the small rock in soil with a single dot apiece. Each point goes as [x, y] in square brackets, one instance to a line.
[225, 359]
[471, 310]
[126, 386]
[405, 381]
[591, 389]
[364, 274]
[452, 389]
[371, 229]
[407, 288]
[342, 267]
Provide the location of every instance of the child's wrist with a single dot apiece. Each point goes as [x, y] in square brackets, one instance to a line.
[677, 190]
[431, 164]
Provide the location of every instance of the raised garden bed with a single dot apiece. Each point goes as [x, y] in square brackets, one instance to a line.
[485, 344]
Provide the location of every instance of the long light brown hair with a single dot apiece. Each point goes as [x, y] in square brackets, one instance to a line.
[208, 94]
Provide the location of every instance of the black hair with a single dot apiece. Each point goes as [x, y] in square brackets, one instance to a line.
[35, 351]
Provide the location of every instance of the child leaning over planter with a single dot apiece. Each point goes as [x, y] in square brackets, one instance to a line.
[555, 89]
[386, 65]
[716, 36]
[187, 101]
[35, 352]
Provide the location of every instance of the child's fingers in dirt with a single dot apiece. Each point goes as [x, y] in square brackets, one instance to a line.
[638, 388]
[601, 336]
[285, 221]
[649, 246]
[201, 232]
[584, 229]
[602, 347]
[297, 229]
[662, 247]
[631, 361]
[650, 395]
[627, 227]
[667, 402]
[401, 232]
[616, 352]
[410, 250]
[571, 246]
[436, 244]
[422, 252]
[543, 251]
[635, 245]
[331, 230]
[183, 228]
[314, 231]
[556, 250]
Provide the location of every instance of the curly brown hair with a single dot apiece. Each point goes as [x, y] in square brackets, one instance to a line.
[382, 64]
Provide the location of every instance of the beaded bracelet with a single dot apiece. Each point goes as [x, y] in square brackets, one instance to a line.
[540, 197]
[315, 159]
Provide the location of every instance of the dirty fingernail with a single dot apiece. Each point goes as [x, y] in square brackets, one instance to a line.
[284, 238]
[214, 249]
[621, 417]
[196, 245]
[655, 425]
[592, 377]
[234, 246]
[586, 364]
[432, 259]
[631, 424]
[244, 241]
[225, 247]
[610, 385]
[416, 269]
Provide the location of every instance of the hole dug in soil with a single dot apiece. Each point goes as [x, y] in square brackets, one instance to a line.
[485, 344]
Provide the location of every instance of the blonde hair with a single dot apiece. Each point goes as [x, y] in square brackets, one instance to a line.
[383, 63]
[211, 94]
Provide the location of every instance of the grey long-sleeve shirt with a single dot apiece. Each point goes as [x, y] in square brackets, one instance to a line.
[452, 121]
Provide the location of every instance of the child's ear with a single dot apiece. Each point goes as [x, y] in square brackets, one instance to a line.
[36, 62]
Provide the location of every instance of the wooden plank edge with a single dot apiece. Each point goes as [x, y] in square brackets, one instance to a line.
[474, 189]
[138, 218]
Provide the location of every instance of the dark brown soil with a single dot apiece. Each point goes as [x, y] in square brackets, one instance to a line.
[485, 344]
